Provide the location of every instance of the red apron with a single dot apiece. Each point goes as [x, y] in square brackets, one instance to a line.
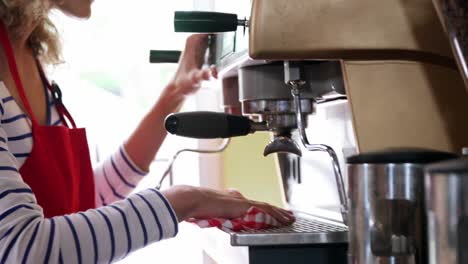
[58, 169]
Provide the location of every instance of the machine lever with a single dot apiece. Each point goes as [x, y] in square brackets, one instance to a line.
[206, 22]
[165, 56]
[209, 125]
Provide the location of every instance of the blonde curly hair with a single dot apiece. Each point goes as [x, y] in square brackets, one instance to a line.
[19, 15]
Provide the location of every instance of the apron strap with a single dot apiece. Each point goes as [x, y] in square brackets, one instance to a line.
[5, 41]
[57, 96]
[62, 110]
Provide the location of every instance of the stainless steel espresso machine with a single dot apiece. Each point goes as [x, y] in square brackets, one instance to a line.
[328, 79]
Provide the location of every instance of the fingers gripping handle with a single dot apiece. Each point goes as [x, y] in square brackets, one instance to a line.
[208, 125]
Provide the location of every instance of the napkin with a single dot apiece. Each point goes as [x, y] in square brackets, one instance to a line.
[253, 219]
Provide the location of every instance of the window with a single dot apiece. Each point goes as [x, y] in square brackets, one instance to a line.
[108, 86]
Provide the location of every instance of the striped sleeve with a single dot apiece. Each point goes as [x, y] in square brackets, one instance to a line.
[116, 177]
[100, 235]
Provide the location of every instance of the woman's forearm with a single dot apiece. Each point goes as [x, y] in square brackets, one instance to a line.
[145, 142]
[184, 200]
[148, 137]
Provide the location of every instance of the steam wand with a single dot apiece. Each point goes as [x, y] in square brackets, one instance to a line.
[168, 171]
[292, 78]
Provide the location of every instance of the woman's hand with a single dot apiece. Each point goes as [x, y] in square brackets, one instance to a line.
[199, 202]
[191, 73]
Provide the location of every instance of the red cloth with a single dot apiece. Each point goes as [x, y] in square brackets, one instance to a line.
[58, 169]
[253, 219]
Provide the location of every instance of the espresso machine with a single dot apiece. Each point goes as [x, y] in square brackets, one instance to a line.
[328, 79]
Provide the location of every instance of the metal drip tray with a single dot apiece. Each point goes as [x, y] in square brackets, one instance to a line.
[303, 231]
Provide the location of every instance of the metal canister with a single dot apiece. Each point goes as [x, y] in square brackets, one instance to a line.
[387, 222]
[447, 211]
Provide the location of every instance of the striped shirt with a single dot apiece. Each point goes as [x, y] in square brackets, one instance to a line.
[121, 224]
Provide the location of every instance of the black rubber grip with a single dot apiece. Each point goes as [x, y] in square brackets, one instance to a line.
[204, 22]
[206, 125]
[402, 155]
[165, 56]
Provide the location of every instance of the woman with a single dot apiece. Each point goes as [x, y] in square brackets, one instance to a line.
[48, 190]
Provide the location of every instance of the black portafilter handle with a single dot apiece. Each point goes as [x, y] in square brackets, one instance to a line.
[205, 22]
[207, 125]
[165, 56]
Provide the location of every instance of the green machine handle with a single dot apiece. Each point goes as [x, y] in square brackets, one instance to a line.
[206, 22]
[164, 56]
